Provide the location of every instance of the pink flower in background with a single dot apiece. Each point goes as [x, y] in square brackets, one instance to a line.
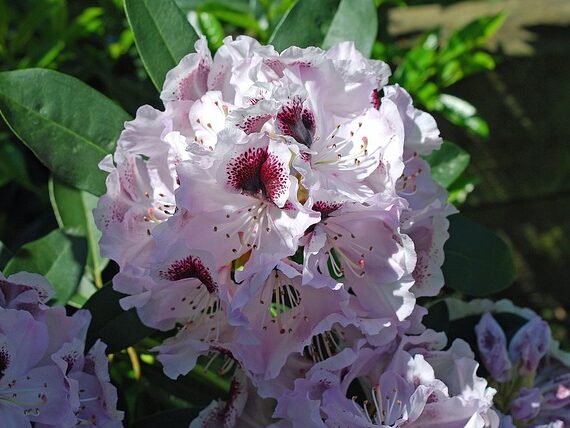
[45, 378]
[395, 386]
[545, 396]
[522, 360]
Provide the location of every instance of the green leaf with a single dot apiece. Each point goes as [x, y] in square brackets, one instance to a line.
[447, 163]
[13, 165]
[58, 256]
[69, 126]
[460, 189]
[118, 328]
[306, 24]
[73, 209]
[177, 418]
[162, 33]
[477, 261]
[466, 65]
[462, 113]
[5, 255]
[473, 35]
[239, 15]
[212, 28]
[323, 23]
[84, 291]
[355, 21]
[418, 65]
[437, 317]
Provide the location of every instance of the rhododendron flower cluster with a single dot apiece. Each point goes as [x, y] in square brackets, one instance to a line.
[279, 214]
[530, 372]
[45, 377]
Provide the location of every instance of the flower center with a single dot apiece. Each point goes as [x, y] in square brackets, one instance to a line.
[190, 267]
[297, 121]
[280, 297]
[324, 345]
[258, 173]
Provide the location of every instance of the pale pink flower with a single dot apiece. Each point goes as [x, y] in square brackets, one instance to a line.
[44, 377]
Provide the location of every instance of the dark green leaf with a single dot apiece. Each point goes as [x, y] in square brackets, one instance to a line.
[118, 328]
[464, 328]
[73, 209]
[199, 387]
[447, 163]
[178, 418]
[437, 317]
[5, 255]
[69, 126]
[354, 21]
[306, 24]
[327, 22]
[57, 256]
[163, 35]
[13, 165]
[477, 261]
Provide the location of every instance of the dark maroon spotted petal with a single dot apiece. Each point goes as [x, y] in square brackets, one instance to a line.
[12, 290]
[274, 177]
[71, 359]
[375, 99]
[244, 171]
[190, 267]
[4, 361]
[253, 123]
[276, 65]
[258, 173]
[326, 208]
[297, 121]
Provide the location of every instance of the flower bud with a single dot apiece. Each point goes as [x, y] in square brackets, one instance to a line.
[492, 344]
[530, 344]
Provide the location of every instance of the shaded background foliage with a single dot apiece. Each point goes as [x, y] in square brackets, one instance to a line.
[493, 73]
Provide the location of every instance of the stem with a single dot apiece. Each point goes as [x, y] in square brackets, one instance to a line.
[134, 362]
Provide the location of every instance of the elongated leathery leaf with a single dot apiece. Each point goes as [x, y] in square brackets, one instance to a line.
[57, 256]
[163, 35]
[447, 163]
[306, 24]
[68, 125]
[73, 209]
[323, 23]
[477, 261]
[354, 21]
